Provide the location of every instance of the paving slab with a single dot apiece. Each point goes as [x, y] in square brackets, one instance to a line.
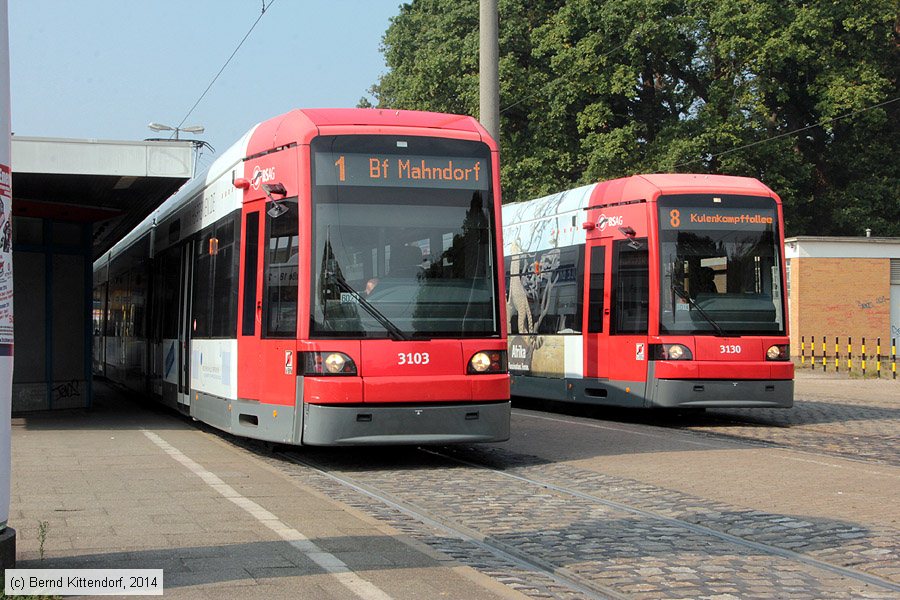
[129, 485]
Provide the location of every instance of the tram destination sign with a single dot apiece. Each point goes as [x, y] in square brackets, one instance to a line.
[397, 170]
[691, 217]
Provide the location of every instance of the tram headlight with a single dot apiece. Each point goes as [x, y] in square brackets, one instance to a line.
[334, 362]
[328, 363]
[676, 352]
[488, 361]
[778, 352]
[670, 352]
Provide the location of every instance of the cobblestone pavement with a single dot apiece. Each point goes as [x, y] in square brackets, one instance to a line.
[834, 415]
[554, 528]
[616, 552]
[852, 418]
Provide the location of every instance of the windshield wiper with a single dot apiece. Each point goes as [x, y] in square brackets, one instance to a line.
[687, 297]
[395, 332]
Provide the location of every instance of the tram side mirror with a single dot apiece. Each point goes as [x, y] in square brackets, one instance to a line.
[276, 210]
[274, 188]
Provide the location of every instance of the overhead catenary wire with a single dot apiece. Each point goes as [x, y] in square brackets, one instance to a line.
[265, 7]
[731, 150]
[789, 133]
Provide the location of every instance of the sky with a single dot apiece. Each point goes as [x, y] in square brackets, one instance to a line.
[104, 69]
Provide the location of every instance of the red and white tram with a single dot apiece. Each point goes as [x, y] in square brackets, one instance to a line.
[333, 279]
[650, 291]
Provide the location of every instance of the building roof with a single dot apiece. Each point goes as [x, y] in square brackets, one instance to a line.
[810, 246]
[113, 183]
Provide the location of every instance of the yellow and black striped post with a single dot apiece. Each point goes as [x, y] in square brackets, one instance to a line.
[837, 356]
[894, 358]
[863, 352]
[824, 355]
[812, 352]
[878, 358]
[802, 349]
[849, 354]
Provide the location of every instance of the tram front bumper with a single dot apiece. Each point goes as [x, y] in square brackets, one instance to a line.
[717, 393]
[462, 423]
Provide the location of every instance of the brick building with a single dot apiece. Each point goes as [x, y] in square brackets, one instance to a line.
[843, 287]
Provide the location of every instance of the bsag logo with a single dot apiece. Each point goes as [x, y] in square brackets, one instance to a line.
[261, 175]
[603, 221]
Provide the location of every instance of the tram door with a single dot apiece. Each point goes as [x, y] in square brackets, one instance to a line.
[270, 295]
[628, 321]
[596, 351]
[184, 324]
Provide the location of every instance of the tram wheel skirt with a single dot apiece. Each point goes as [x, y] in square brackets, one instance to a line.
[738, 393]
[325, 425]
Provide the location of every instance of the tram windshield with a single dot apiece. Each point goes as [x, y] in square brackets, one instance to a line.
[720, 271]
[403, 238]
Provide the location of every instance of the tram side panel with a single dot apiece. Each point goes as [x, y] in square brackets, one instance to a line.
[565, 302]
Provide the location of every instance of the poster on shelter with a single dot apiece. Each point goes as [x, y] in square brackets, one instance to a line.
[6, 268]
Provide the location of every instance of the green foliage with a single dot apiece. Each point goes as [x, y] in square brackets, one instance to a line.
[595, 89]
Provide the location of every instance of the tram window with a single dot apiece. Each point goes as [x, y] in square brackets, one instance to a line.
[200, 304]
[595, 297]
[137, 300]
[631, 287]
[281, 276]
[170, 288]
[99, 309]
[154, 310]
[114, 306]
[251, 255]
[224, 296]
[174, 231]
[548, 285]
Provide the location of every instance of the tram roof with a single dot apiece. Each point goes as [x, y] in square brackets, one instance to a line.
[376, 116]
[300, 125]
[648, 184]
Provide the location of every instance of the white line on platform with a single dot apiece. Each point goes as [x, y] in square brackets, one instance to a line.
[330, 563]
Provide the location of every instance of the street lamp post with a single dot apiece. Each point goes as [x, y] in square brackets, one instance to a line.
[177, 130]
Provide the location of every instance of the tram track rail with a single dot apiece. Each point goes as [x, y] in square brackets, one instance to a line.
[863, 447]
[694, 527]
[535, 563]
[559, 575]
[559, 530]
[639, 428]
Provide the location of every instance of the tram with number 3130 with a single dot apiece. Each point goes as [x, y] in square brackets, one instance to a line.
[650, 291]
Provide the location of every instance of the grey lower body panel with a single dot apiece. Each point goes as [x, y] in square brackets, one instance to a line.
[601, 392]
[660, 393]
[464, 423]
[269, 422]
[715, 393]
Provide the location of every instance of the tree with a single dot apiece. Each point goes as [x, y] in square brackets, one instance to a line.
[803, 96]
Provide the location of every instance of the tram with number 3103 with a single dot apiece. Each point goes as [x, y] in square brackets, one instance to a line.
[650, 291]
[333, 279]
